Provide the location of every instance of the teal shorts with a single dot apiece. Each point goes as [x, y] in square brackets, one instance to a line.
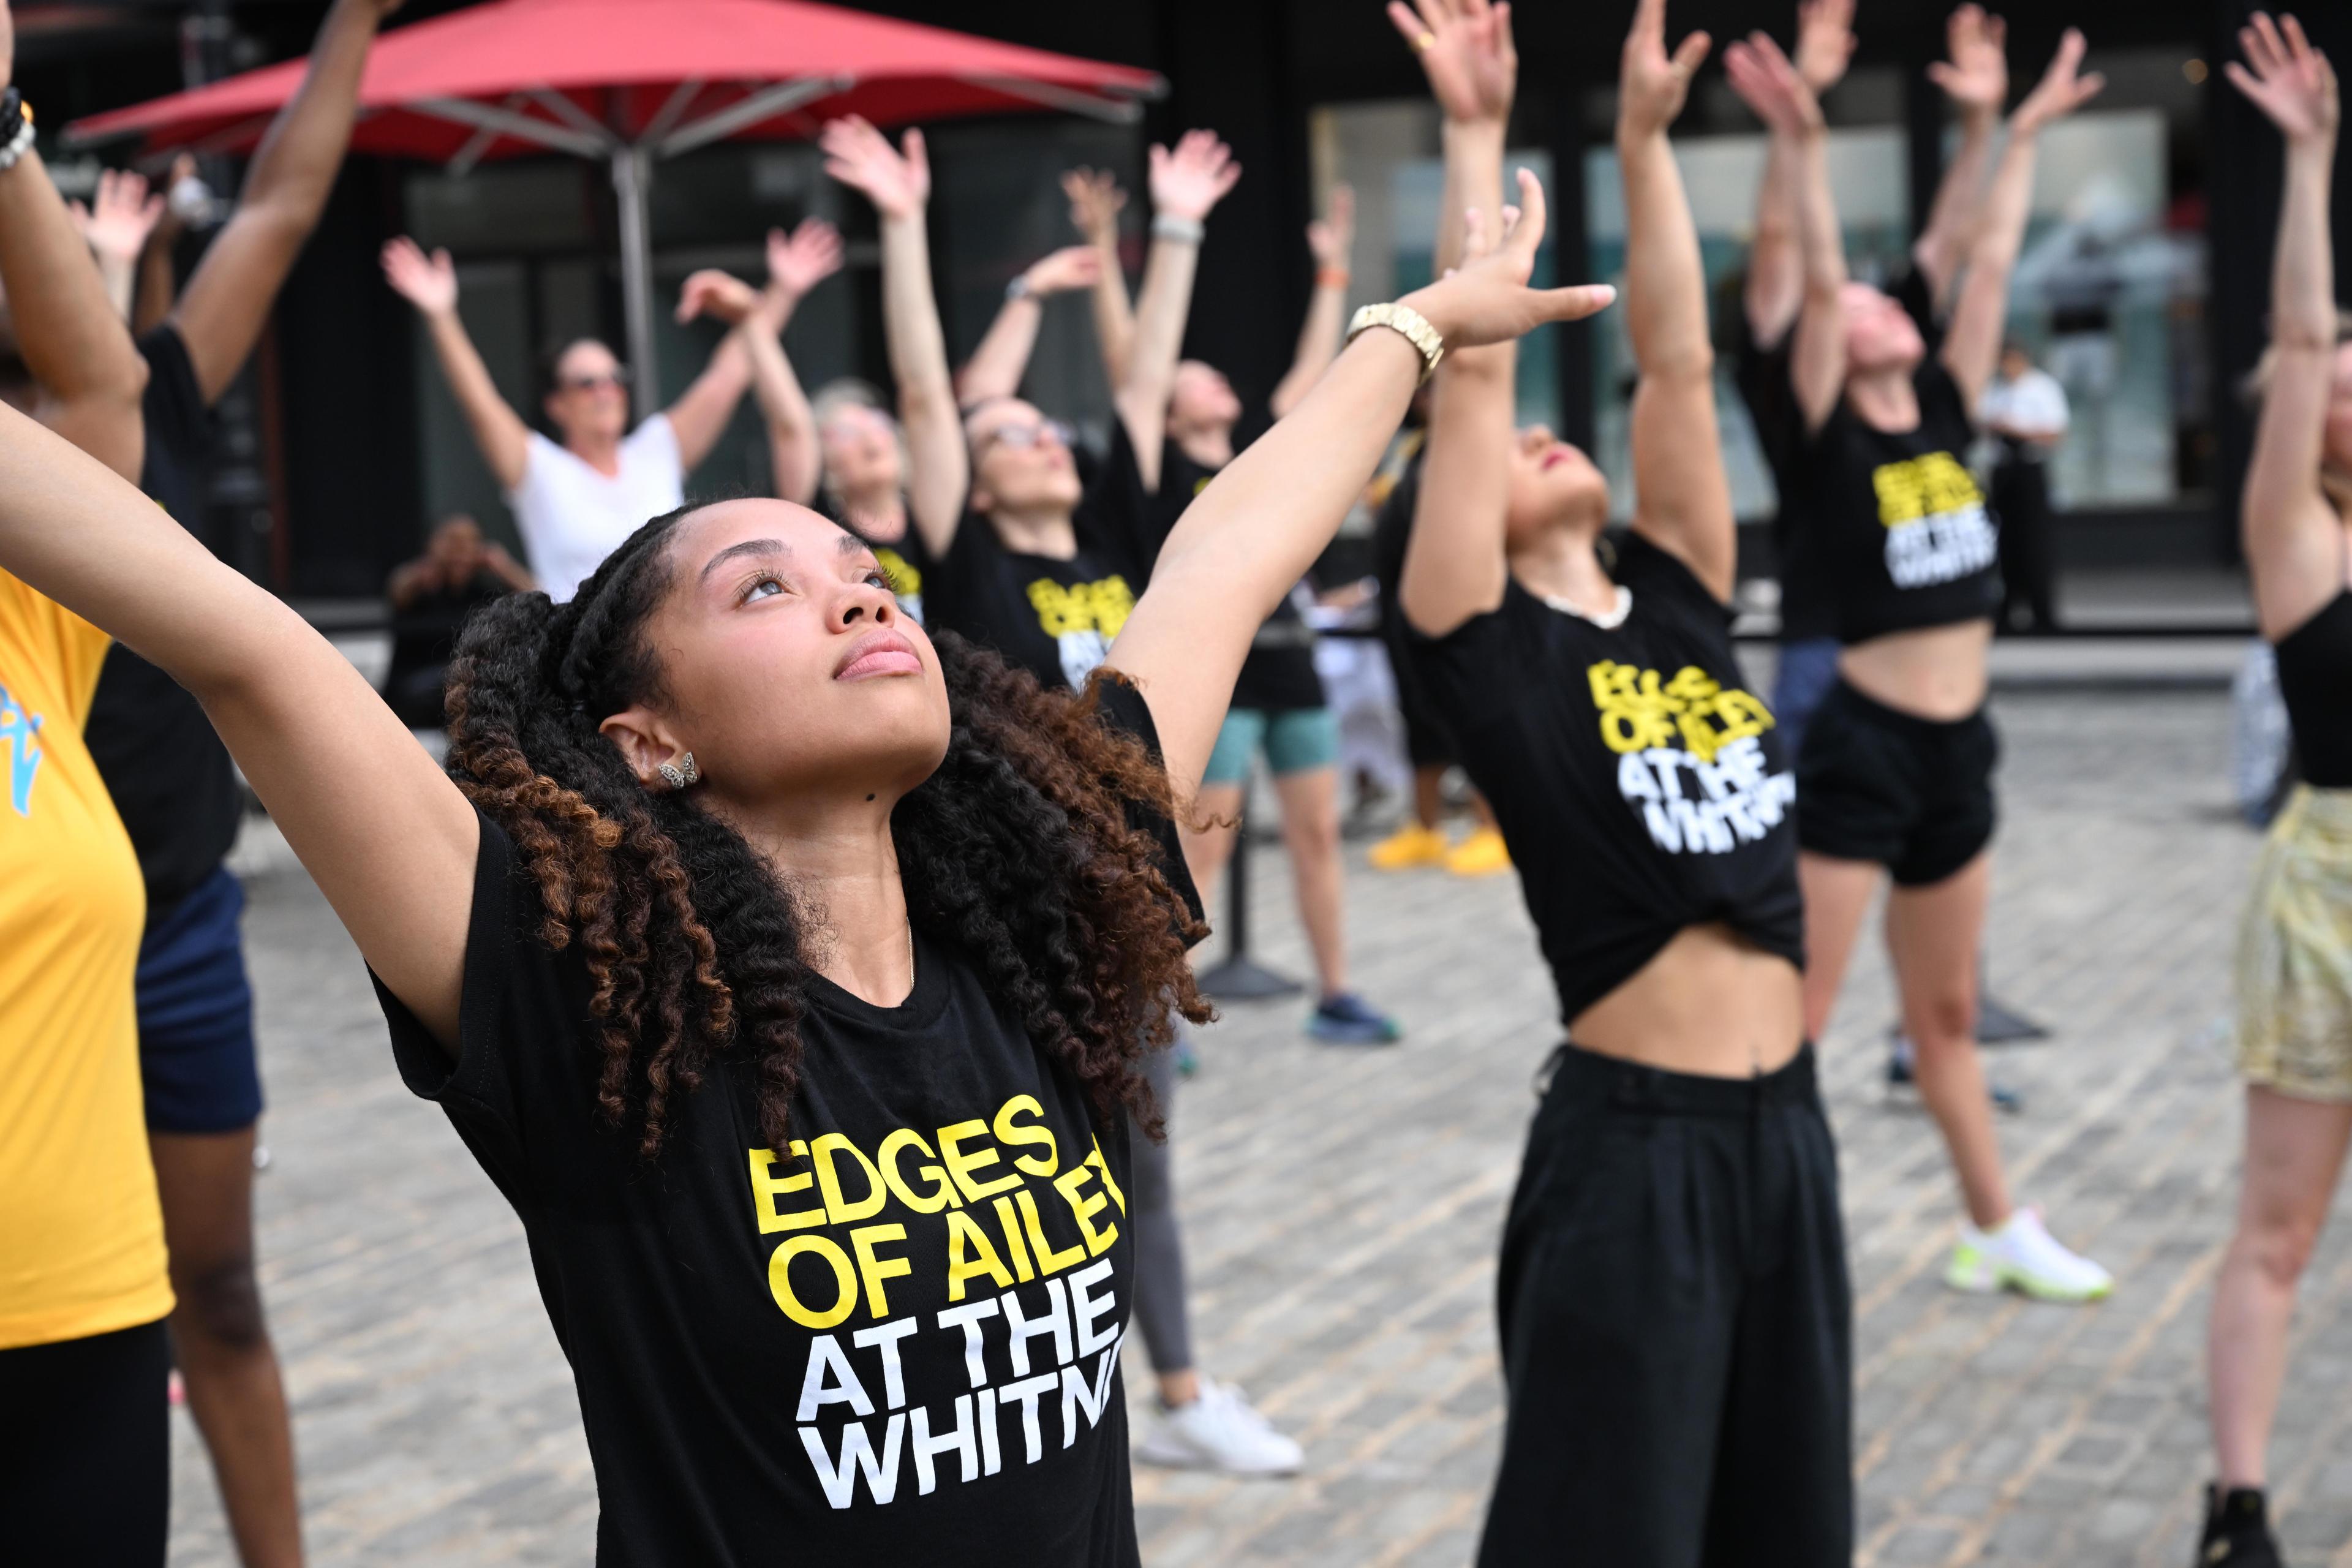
[1295, 740]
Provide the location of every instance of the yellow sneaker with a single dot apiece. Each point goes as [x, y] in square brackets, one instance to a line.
[1410, 845]
[1480, 855]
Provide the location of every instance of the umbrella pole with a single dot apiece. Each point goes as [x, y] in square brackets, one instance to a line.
[631, 172]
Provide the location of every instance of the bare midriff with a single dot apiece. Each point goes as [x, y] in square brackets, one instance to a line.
[1936, 672]
[1711, 1003]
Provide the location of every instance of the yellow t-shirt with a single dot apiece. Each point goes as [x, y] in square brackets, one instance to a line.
[81, 1233]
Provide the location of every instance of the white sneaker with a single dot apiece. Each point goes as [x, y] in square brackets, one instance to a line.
[2024, 1256]
[1219, 1431]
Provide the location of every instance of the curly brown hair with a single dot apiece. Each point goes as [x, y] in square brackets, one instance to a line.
[1022, 850]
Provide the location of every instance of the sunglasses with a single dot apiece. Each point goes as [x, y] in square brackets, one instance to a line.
[1027, 438]
[617, 377]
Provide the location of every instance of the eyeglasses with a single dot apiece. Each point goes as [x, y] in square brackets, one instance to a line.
[1026, 437]
[618, 376]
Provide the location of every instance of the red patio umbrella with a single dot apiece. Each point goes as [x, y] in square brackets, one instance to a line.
[631, 81]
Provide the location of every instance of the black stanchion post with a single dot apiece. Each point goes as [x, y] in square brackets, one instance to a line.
[1237, 977]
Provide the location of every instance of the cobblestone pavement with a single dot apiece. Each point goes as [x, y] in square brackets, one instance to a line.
[436, 1422]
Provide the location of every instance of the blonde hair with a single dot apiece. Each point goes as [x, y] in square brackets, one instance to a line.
[839, 397]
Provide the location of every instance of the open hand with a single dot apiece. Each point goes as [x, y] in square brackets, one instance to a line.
[1768, 84]
[2290, 81]
[1468, 53]
[1096, 202]
[1332, 237]
[1651, 84]
[120, 215]
[1486, 299]
[1059, 271]
[801, 260]
[1824, 42]
[428, 282]
[897, 180]
[1191, 181]
[717, 293]
[1976, 77]
[2061, 90]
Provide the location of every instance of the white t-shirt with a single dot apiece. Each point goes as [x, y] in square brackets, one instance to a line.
[571, 517]
[2034, 401]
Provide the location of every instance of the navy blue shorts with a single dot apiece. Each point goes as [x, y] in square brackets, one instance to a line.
[196, 1056]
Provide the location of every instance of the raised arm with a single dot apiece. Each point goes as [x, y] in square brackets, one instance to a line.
[1975, 77]
[115, 226]
[700, 415]
[1096, 202]
[1776, 262]
[997, 365]
[1186, 186]
[386, 834]
[158, 288]
[794, 266]
[71, 338]
[1765, 79]
[1331, 239]
[1972, 345]
[1454, 564]
[1262, 521]
[430, 283]
[221, 313]
[1682, 501]
[2294, 538]
[898, 184]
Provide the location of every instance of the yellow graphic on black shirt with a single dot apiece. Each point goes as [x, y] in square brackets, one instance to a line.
[1017, 1213]
[1688, 758]
[1082, 617]
[906, 583]
[1938, 530]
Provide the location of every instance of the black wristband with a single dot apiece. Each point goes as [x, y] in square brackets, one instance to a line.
[12, 113]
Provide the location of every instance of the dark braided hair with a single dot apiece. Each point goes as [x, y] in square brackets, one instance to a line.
[1018, 850]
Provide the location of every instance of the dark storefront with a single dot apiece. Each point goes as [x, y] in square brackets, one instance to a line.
[2143, 289]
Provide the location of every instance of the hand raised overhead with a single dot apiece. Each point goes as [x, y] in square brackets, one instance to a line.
[1486, 299]
[2287, 79]
[1768, 84]
[1467, 51]
[1652, 84]
[1191, 180]
[799, 261]
[428, 282]
[2061, 90]
[1824, 42]
[1976, 74]
[897, 180]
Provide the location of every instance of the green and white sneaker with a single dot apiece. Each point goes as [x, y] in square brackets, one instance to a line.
[2022, 1256]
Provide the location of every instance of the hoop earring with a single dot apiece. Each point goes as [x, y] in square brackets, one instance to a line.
[678, 775]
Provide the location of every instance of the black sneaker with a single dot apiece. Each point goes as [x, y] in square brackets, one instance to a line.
[2237, 1531]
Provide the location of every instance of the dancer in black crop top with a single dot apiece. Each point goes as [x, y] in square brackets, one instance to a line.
[1595, 698]
[1895, 773]
[2294, 946]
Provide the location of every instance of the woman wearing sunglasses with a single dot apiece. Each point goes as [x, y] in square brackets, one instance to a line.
[575, 500]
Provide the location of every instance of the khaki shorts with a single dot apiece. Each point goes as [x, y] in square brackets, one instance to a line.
[2295, 952]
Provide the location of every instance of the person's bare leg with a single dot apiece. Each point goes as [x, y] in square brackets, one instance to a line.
[2294, 1151]
[1932, 934]
[1837, 895]
[1429, 796]
[221, 1341]
[1481, 812]
[1310, 831]
[1208, 849]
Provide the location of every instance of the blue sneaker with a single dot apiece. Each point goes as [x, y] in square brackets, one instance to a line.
[1347, 1019]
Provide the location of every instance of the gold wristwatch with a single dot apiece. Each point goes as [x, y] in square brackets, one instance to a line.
[1405, 320]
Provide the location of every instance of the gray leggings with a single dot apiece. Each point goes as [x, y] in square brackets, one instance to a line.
[1159, 1309]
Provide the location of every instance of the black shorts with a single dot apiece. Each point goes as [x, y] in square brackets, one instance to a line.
[198, 1063]
[86, 1450]
[1676, 1327]
[1912, 794]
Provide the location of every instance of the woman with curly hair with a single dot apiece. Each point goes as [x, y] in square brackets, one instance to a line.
[786, 969]
[2295, 949]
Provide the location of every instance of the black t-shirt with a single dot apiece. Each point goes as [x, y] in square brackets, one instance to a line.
[1902, 533]
[2315, 677]
[1056, 618]
[171, 778]
[1641, 789]
[906, 559]
[898, 1342]
[1278, 673]
[1761, 370]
